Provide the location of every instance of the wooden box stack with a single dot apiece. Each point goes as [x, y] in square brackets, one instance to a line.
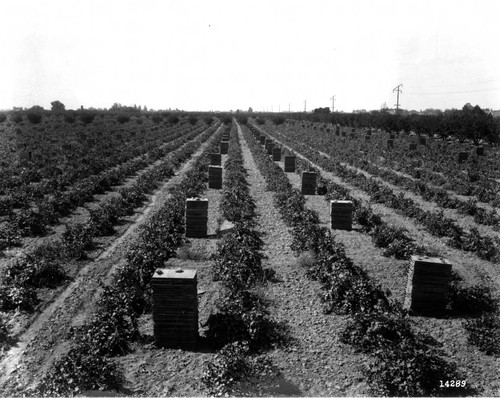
[277, 154]
[480, 151]
[225, 137]
[341, 214]
[308, 183]
[262, 140]
[215, 177]
[215, 159]
[289, 164]
[428, 285]
[412, 146]
[391, 136]
[224, 147]
[462, 157]
[367, 137]
[422, 141]
[390, 143]
[196, 218]
[175, 308]
[270, 147]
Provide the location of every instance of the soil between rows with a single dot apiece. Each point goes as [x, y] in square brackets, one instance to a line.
[483, 370]
[316, 363]
[46, 338]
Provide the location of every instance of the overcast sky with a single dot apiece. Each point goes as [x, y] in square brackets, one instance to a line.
[268, 55]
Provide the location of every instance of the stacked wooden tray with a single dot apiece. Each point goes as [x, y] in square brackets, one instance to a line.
[277, 154]
[175, 308]
[215, 177]
[224, 147]
[196, 218]
[289, 164]
[270, 147]
[308, 183]
[390, 143]
[262, 140]
[428, 285]
[341, 214]
[215, 159]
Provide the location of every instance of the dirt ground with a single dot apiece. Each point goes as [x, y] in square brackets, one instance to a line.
[482, 370]
[315, 363]
[46, 337]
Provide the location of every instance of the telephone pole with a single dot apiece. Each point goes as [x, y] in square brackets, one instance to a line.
[305, 106]
[398, 90]
[333, 103]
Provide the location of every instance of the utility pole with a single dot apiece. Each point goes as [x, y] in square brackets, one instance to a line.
[305, 106]
[289, 107]
[333, 103]
[398, 90]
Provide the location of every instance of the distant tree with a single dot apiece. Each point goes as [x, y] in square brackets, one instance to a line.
[322, 110]
[3, 117]
[476, 124]
[193, 120]
[57, 106]
[250, 110]
[35, 114]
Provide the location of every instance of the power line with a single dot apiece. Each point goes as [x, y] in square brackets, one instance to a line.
[462, 84]
[458, 92]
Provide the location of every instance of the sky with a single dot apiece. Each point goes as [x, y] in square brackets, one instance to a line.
[205, 55]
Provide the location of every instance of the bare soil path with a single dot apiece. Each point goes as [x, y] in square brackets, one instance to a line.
[315, 364]
[151, 371]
